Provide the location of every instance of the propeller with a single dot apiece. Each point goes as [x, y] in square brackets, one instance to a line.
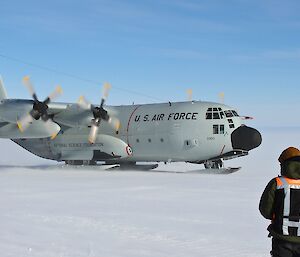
[39, 109]
[99, 114]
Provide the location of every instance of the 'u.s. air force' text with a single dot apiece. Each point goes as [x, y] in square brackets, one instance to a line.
[170, 116]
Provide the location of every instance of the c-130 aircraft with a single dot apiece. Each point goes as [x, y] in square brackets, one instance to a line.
[83, 134]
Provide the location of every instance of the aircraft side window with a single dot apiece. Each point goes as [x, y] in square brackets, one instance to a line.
[222, 129]
[209, 109]
[215, 109]
[216, 116]
[215, 129]
[208, 115]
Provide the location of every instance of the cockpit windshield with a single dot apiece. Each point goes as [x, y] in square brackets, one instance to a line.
[217, 113]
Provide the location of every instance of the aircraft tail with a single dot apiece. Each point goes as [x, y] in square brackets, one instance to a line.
[3, 94]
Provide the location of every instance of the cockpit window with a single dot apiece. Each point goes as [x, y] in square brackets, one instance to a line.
[228, 114]
[216, 116]
[209, 115]
[235, 113]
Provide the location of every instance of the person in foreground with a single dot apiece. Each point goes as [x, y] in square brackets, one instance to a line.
[280, 203]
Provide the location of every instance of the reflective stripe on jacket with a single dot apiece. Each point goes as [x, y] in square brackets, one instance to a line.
[287, 207]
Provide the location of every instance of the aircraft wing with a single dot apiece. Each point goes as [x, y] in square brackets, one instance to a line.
[72, 115]
[62, 114]
[14, 111]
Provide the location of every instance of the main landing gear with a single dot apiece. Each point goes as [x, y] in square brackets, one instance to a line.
[79, 162]
[216, 164]
[217, 167]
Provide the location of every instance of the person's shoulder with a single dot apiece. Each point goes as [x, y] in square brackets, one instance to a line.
[272, 183]
[274, 180]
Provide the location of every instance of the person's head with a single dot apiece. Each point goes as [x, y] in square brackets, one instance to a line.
[291, 153]
[287, 161]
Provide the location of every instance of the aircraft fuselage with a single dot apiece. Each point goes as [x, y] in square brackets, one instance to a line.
[182, 131]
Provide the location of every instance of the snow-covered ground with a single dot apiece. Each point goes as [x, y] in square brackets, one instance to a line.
[52, 212]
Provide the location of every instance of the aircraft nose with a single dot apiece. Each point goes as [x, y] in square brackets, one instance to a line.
[245, 138]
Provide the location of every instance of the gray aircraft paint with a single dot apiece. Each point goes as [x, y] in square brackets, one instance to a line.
[155, 132]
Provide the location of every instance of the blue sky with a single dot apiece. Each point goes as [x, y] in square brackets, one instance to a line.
[153, 51]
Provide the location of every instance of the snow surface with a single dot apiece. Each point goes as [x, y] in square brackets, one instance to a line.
[47, 211]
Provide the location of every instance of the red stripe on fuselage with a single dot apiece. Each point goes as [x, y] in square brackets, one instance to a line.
[128, 124]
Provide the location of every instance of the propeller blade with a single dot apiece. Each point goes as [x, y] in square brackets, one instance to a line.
[24, 122]
[222, 97]
[115, 123]
[83, 103]
[102, 103]
[27, 83]
[106, 88]
[93, 133]
[2, 88]
[52, 128]
[57, 92]
[190, 94]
